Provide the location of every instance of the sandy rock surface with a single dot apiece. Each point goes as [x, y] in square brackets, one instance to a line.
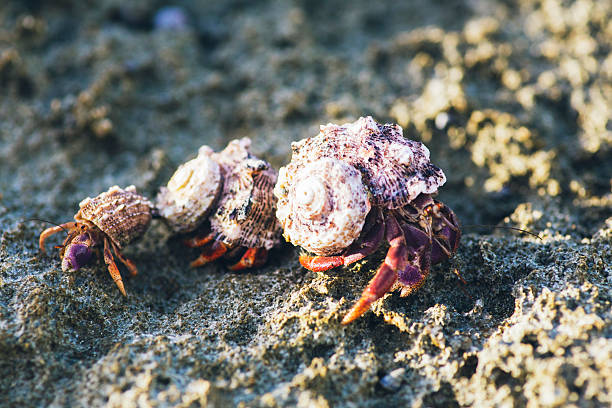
[514, 100]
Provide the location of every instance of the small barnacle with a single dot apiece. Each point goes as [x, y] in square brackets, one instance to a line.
[112, 219]
[354, 186]
[232, 189]
[393, 381]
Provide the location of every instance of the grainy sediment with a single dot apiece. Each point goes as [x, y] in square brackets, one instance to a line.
[513, 99]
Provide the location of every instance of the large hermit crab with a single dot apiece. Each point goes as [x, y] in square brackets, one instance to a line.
[112, 219]
[230, 192]
[355, 185]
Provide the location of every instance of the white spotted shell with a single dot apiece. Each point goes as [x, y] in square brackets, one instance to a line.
[191, 192]
[122, 214]
[395, 170]
[322, 205]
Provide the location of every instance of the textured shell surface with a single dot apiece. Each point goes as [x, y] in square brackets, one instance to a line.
[235, 152]
[322, 205]
[246, 211]
[122, 214]
[191, 192]
[395, 170]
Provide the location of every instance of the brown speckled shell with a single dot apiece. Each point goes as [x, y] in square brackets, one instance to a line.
[395, 170]
[246, 211]
[122, 214]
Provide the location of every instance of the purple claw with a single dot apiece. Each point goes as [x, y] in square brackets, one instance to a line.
[78, 253]
[418, 246]
[76, 256]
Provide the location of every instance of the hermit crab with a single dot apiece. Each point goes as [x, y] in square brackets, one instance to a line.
[112, 219]
[230, 196]
[354, 186]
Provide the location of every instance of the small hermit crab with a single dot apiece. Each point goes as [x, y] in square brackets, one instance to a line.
[355, 185]
[233, 190]
[112, 219]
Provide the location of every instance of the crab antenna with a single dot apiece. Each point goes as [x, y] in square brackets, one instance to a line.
[502, 227]
[456, 272]
[48, 222]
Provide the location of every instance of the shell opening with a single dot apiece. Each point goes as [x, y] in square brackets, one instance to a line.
[180, 179]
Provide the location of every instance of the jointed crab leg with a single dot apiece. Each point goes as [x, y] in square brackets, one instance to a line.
[129, 264]
[397, 259]
[112, 266]
[357, 251]
[253, 257]
[212, 252]
[53, 230]
[321, 263]
[446, 239]
[199, 241]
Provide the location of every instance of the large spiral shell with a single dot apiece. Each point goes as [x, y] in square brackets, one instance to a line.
[322, 205]
[395, 170]
[122, 214]
[191, 192]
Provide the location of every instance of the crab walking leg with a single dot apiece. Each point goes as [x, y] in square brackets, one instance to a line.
[253, 257]
[129, 264]
[196, 242]
[212, 252]
[357, 251]
[112, 266]
[53, 230]
[321, 263]
[396, 259]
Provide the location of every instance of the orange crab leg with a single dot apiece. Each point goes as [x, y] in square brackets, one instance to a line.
[196, 242]
[364, 246]
[211, 253]
[112, 266]
[53, 230]
[321, 263]
[253, 257]
[129, 264]
[396, 259]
